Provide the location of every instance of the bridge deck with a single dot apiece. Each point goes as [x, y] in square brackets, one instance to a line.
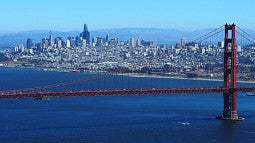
[22, 94]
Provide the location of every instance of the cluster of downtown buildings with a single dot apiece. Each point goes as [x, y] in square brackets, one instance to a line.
[131, 56]
[47, 43]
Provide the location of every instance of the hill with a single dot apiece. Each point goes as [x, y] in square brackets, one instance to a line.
[162, 36]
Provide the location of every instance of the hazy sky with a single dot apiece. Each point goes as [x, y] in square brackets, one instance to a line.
[68, 15]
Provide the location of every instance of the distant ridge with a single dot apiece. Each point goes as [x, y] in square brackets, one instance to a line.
[162, 36]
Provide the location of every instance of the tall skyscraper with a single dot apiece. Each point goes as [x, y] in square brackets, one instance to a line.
[29, 43]
[50, 40]
[86, 34]
[107, 37]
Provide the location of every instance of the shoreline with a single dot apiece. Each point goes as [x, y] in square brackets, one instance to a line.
[176, 77]
[125, 74]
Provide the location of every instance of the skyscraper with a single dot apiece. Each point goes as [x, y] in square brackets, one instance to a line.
[107, 37]
[132, 42]
[29, 43]
[45, 43]
[50, 40]
[58, 42]
[86, 34]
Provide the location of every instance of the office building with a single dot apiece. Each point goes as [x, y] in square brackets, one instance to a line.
[58, 42]
[50, 39]
[86, 34]
[107, 37]
[45, 43]
[29, 43]
[68, 43]
[221, 44]
[132, 42]
[183, 41]
[83, 43]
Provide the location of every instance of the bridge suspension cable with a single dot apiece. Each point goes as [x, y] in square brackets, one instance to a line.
[91, 78]
[208, 35]
[200, 39]
[246, 35]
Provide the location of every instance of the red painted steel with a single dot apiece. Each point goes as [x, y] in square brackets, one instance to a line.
[229, 89]
[229, 110]
[157, 91]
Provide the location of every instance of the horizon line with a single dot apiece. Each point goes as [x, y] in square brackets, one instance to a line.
[106, 29]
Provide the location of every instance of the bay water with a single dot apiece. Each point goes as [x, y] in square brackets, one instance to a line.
[132, 118]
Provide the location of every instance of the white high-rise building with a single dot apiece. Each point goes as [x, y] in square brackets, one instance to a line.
[68, 43]
[132, 42]
[239, 49]
[84, 42]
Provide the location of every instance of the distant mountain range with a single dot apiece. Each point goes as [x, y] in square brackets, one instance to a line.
[162, 36]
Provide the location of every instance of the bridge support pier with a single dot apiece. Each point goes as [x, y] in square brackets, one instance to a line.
[229, 109]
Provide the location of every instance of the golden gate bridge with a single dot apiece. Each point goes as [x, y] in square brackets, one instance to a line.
[229, 88]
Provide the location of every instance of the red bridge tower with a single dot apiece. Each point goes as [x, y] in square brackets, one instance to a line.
[229, 111]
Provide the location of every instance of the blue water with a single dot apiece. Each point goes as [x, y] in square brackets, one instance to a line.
[152, 118]
[6, 48]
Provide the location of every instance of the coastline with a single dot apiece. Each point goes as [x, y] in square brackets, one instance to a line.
[175, 76]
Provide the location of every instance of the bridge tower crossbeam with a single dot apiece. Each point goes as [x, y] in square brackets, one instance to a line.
[229, 111]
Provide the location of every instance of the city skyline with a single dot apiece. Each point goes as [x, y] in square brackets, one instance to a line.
[175, 14]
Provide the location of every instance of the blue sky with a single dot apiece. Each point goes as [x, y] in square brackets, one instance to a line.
[69, 15]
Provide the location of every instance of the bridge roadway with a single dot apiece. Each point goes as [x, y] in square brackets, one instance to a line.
[116, 92]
